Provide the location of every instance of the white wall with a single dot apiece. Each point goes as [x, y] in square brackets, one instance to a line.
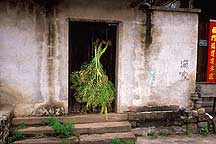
[21, 56]
[158, 74]
[146, 75]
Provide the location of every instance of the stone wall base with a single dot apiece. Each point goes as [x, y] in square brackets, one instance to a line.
[6, 115]
[170, 121]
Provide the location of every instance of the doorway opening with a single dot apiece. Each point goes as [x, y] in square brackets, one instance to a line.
[81, 36]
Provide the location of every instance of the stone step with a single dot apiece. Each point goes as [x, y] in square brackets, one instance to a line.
[86, 118]
[153, 118]
[49, 140]
[84, 139]
[106, 138]
[88, 128]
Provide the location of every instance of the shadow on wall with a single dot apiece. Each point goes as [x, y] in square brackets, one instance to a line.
[15, 94]
[21, 99]
[10, 94]
[7, 98]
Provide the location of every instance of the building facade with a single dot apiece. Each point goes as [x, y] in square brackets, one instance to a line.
[154, 62]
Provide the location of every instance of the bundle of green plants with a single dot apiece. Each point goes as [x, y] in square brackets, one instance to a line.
[91, 84]
[61, 129]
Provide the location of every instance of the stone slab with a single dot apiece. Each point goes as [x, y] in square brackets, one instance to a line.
[105, 138]
[194, 139]
[50, 140]
[86, 118]
[84, 139]
[90, 128]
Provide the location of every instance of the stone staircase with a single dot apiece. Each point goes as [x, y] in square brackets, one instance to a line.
[90, 128]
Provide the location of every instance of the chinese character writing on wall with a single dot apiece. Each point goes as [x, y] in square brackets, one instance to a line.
[184, 64]
[183, 73]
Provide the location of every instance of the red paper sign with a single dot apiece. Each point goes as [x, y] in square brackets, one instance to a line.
[211, 69]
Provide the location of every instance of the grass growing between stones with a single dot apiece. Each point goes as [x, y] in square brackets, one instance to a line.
[21, 125]
[204, 131]
[152, 134]
[66, 142]
[61, 129]
[119, 141]
[188, 131]
[164, 133]
[14, 136]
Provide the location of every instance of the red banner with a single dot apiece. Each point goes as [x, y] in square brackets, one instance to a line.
[211, 69]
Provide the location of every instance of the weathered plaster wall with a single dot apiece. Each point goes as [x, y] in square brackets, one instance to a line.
[34, 53]
[165, 71]
[26, 73]
[162, 73]
[20, 55]
[130, 28]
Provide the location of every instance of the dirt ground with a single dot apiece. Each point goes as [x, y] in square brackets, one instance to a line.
[194, 139]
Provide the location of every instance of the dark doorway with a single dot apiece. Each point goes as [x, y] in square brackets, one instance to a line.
[81, 36]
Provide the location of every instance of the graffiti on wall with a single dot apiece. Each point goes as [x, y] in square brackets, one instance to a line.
[184, 67]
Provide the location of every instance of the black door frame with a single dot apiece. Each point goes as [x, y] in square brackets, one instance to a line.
[116, 56]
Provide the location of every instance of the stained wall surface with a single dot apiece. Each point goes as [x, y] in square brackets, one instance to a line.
[22, 55]
[34, 53]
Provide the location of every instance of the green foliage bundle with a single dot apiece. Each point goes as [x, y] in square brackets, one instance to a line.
[16, 135]
[91, 84]
[63, 130]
